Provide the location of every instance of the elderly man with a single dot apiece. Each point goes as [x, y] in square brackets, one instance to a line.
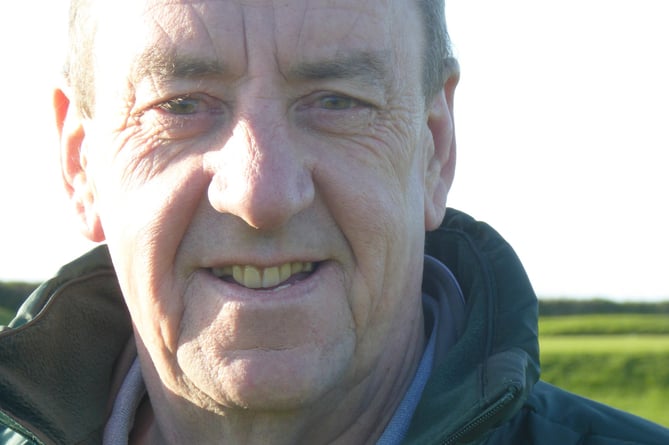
[263, 174]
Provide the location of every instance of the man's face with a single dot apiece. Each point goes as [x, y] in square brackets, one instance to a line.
[258, 170]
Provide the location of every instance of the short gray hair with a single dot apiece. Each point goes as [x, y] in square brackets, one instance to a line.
[78, 68]
[437, 46]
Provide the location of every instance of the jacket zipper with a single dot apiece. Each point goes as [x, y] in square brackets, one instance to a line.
[492, 411]
[7, 421]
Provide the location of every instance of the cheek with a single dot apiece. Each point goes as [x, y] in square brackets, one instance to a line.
[144, 224]
[144, 219]
[376, 200]
[373, 189]
[148, 192]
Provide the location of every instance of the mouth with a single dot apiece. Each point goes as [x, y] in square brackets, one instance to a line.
[267, 278]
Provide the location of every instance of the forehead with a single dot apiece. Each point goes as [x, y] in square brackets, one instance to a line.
[235, 33]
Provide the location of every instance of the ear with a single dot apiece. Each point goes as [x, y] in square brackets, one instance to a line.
[73, 165]
[441, 164]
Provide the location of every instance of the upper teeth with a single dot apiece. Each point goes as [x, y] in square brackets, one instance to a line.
[262, 277]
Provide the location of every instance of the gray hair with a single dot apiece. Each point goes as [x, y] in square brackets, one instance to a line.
[437, 46]
[78, 68]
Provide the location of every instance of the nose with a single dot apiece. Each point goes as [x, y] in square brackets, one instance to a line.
[260, 176]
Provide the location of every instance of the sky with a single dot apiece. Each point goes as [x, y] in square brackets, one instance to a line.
[562, 122]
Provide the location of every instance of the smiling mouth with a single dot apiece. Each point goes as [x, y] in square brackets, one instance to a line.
[254, 277]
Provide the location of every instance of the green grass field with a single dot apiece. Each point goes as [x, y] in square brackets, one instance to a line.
[605, 324]
[621, 360]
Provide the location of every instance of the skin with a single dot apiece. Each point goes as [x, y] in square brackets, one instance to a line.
[291, 131]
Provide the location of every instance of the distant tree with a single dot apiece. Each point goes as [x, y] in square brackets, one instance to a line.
[548, 307]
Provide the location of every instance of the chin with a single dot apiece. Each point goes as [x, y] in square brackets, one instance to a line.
[274, 380]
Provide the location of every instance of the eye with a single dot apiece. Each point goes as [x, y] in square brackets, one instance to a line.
[186, 116]
[187, 105]
[336, 113]
[334, 102]
[180, 105]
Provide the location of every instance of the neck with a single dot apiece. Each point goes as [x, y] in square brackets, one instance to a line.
[353, 415]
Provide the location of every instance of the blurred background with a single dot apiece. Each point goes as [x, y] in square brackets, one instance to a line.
[562, 119]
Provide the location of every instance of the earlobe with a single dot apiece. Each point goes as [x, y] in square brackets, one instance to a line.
[77, 183]
[441, 164]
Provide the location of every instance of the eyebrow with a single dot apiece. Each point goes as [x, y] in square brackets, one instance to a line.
[169, 65]
[370, 67]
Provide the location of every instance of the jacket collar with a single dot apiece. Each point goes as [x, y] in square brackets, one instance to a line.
[487, 375]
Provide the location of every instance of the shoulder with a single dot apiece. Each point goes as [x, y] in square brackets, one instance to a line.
[554, 416]
[91, 273]
[70, 333]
